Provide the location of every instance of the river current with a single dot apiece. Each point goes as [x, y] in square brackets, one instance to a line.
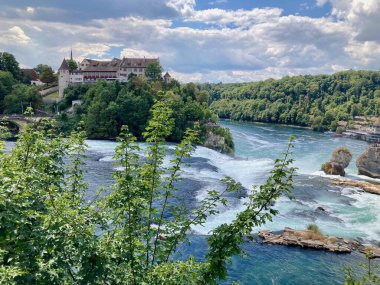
[347, 212]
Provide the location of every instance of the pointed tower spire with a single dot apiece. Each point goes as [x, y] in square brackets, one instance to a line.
[71, 54]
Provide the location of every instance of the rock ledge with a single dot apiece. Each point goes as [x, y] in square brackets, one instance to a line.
[308, 239]
[365, 186]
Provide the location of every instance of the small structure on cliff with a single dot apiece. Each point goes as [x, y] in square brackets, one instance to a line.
[368, 162]
[340, 159]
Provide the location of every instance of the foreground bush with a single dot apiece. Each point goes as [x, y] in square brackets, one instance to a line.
[49, 234]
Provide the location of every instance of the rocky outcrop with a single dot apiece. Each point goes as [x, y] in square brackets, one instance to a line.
[370, 251]
[217, 141]
[308, 239]
[368, 162]
[340, 159]
[333, 168]
[365, 186]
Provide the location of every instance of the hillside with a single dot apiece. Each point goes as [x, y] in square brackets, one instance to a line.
[319, 101]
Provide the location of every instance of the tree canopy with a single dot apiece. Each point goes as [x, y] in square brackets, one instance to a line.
[9, 63]
[153, 71]
[47, 74]
[319, 101]
[108, 106]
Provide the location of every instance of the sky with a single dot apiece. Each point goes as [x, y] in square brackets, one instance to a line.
[199, 40]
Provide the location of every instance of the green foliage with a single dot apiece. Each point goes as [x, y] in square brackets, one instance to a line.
[47, 74]
[72, 64]
[9, 63]
[49, 233]
[108, 106]
[153, 71]
[318, 101]
[6, 83]
[370, 273]
[314, 228]
[21, 97]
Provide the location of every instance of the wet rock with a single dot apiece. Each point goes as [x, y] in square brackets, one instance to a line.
[340, 159]
[333, 168]
[307, 239]
[365, 186]
[321, 209]
[368, 163]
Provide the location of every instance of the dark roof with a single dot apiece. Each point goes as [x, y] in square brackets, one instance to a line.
[64, 65]
[31, 73]
[167, 75]
[105, 66]
[137, 62]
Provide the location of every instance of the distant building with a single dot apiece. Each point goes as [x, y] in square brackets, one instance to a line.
[28, 73]
[136, 66]
[37, 82]
[90, 70]
[167, 78]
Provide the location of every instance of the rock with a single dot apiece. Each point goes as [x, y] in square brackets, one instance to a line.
[307, 239]
[217, 142]
[365, 186]
[342, 156]
[321, 209]
[333, 168]
[340, 159]
[371, 251]
[214, 141]
[368, 163]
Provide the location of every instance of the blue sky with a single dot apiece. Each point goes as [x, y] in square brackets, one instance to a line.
[199, 40]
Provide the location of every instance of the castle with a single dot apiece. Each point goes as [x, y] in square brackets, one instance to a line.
[90, 70]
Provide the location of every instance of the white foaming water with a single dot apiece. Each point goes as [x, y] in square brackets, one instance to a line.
[245, 171]
[359, 216]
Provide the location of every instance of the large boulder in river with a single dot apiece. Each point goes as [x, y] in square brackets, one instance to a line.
[333, 168]
[368, 162]
[342, 156]
[340, 159]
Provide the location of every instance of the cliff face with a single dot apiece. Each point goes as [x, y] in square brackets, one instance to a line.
[368, 162]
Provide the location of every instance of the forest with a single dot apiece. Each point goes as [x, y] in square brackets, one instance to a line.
[108, 106]
[318, 101]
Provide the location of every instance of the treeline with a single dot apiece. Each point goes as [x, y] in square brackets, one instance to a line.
[106, 107]
[319, 101]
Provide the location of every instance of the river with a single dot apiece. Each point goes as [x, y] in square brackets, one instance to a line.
[348, 213]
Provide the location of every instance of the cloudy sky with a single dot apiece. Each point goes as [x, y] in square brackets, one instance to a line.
[199, 40]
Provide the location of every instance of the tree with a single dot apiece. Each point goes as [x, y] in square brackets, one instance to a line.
[47, 74]
[72, 64]
[21, 97]
[6, 83]
[9, 63]
[50, 234]
[153, 71]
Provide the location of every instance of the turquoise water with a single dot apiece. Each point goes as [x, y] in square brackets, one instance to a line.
[348, 213]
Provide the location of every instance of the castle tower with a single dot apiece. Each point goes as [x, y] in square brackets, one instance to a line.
[64, 77]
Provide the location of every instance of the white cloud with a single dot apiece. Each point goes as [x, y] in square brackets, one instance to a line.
[30, 10]
[184, 7]
[246, 18]
[129, 52]
[86, 49]
[15, 35]
[239, 45]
